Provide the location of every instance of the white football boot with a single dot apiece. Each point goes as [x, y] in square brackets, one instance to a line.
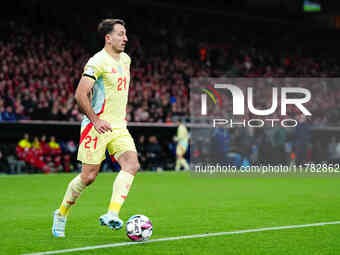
[111, 221]
[59, 223]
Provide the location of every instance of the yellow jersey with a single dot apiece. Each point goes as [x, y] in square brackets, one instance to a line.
[182, 134]
[110, 90]
[23, 143]
[54, 145]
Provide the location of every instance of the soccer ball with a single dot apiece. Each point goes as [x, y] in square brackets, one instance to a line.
[139, 228]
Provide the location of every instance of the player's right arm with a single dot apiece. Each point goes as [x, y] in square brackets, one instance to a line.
[82, 96]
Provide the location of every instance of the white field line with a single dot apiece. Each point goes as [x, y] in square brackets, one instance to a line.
[184, 237]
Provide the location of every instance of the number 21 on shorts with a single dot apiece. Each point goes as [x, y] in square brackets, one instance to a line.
[91, 142]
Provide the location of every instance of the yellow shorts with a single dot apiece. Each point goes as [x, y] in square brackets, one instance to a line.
[93, 145]
[181, 148]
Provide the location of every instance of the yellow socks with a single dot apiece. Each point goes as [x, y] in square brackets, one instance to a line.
[121, 187]
[73, 191]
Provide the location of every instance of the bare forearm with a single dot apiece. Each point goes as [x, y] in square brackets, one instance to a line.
[85, 106]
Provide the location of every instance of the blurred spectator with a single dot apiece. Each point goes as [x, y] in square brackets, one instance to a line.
[67, 165]
[302, 140]
[16, 166]
[71, 146]
[334, 150]
[70, 156]
[50, 164]
[2, 110]
[236, 149]
[140, 146]
[54, 147]
[153, 153]
[36, 143]
[221, 141]
[19, 113]
[8, 114]
[278, 142]
[254, 155]
[24, 143]
[44, 145]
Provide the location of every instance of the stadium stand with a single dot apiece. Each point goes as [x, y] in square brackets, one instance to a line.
[38, 83]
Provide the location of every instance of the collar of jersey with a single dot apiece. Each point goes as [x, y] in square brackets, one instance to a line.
[116, 61]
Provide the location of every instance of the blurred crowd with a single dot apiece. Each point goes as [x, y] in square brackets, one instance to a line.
[34, 154]
[39, 155]
[40, 70]
[265, 146]
[38, 73]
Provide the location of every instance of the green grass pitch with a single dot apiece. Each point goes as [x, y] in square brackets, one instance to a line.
[177, 205]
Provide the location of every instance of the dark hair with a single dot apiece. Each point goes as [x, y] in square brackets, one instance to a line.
[106, 26]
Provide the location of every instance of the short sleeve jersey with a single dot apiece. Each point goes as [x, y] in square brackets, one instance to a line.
[110, 90]
[182, 133]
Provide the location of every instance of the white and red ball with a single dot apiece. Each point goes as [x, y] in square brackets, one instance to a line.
[139, 228]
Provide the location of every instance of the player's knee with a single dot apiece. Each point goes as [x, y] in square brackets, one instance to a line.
[89, 178]
[133, 167]
[137, 166]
